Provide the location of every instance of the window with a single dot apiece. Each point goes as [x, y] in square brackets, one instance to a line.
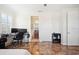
[5, 23]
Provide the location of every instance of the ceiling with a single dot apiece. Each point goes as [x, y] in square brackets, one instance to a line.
[40, 7]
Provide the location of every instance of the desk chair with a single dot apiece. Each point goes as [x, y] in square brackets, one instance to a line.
[18, 37]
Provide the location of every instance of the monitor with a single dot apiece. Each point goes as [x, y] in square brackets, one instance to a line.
[14, 30]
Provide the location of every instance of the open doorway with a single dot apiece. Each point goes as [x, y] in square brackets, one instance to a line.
[35, 27]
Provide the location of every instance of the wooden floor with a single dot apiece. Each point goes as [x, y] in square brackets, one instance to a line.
[46, 48]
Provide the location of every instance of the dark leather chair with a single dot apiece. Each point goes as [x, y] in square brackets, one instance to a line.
[19, 37]
[56, 38]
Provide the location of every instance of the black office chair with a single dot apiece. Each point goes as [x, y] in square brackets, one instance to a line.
[19, 37]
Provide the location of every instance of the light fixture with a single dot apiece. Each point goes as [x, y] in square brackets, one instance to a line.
[45, 5]
[40, 10]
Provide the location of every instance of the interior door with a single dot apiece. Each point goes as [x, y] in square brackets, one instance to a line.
[35, 27]
[73, 28]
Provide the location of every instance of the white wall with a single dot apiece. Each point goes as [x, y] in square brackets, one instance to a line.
[49, 23]
[22, 21]
[45, 27]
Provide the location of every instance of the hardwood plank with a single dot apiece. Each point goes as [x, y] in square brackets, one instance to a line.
[47, 48]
